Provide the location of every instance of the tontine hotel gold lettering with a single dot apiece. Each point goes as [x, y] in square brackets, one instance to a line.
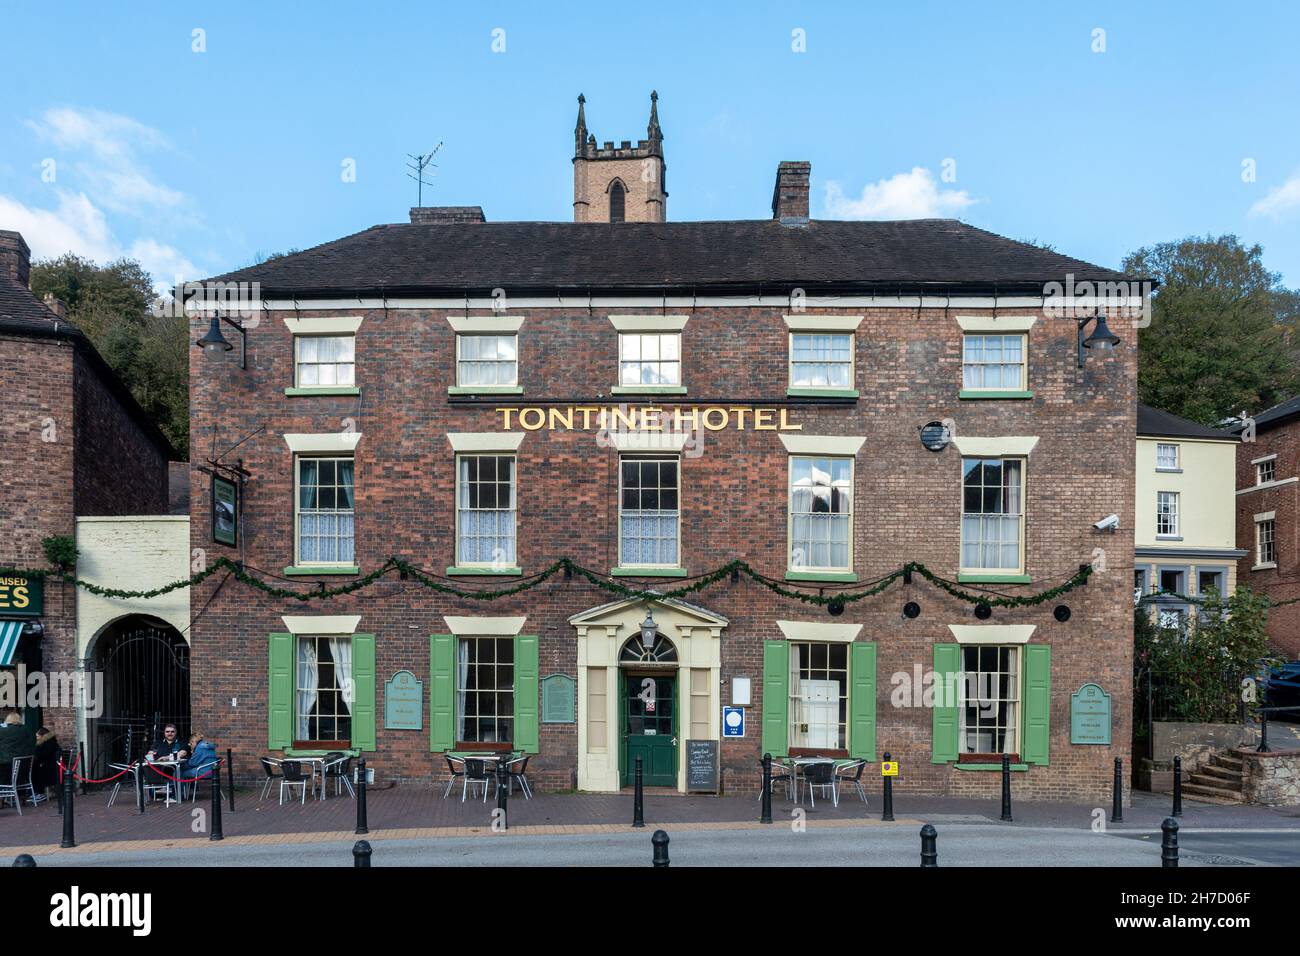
[714, 418]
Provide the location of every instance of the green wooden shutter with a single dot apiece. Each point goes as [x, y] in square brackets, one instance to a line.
[363, 691]
[1037, 702]
[776, 698]
[279, 693]
[442, 692]
[526, 691]
[943, 739]
[862, 701]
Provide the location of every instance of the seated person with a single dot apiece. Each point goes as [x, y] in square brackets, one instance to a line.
[203, 757]
[167, 748]
[15, 741]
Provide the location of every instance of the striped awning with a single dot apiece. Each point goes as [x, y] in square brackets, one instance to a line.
[10, 631]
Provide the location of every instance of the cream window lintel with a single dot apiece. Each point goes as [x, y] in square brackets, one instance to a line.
[823, 323]
[819, 631]
[1264, 458]
[992, 633]
[1266, 516]
[485, 324]
[485, 441]
[649, 323]
[321, 623]
[485, 626]
[326, 442]
[649, 441]
[823, 444]
[1010, 446]
[325, 325]
[994, 323]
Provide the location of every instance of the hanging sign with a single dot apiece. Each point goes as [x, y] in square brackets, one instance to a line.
[225, 511]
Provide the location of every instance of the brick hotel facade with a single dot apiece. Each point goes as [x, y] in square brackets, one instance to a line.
[457, 393]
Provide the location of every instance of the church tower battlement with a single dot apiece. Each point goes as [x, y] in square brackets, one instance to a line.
[619, 183]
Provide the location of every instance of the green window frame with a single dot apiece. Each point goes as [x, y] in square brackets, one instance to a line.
[861, 709]
[280, 699]
[443, 650]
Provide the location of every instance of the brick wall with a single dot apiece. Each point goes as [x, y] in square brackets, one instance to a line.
[907, 503]
[1281, 583]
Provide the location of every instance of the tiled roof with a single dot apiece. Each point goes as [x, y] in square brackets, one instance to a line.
[1154, 422]
[938, 255]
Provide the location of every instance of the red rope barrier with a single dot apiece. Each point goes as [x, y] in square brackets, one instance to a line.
[73, 770]
[215, 767]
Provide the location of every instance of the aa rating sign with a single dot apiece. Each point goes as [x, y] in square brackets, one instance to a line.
[889, 768]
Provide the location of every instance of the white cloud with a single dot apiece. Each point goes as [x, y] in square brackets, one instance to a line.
[79, 227]
[912, 195]
[1280, 200]
[114, 173]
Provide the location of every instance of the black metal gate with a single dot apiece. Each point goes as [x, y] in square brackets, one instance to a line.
[145, 669]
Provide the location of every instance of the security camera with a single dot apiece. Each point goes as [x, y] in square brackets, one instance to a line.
[1108, 523]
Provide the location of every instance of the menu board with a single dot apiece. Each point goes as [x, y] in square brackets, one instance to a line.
[702, 766]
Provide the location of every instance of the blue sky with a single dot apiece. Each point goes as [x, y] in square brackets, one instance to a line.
[199, 162]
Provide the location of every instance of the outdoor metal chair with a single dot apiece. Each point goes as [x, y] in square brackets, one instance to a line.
[476, 775]
[781, 774]
[340, 771]
[269, 765]
[821, 774]
[518, 769]
[455, 767]
[9, 789]
[24, 781]
[193, 782]
[130, 770]
[291, 776]
[850, 774]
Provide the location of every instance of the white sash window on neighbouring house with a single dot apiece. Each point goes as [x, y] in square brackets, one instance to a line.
[1167, 513]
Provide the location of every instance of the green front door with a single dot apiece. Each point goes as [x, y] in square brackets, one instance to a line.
[649, 725]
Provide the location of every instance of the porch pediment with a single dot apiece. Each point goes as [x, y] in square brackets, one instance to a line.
[621, 612]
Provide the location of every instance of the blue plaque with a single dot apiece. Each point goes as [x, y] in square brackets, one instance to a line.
[1090, 715]
[404, 702]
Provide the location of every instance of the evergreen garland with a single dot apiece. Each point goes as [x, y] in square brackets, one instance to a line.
[409, 571]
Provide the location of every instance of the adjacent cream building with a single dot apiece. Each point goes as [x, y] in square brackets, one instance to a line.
[1185, 536]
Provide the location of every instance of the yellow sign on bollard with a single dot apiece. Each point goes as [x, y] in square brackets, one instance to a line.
[889, 768]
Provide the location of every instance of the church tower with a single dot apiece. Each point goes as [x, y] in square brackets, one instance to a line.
[623, 183]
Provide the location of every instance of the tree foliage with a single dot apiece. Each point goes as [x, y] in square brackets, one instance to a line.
[1219, 337]
[149, 352]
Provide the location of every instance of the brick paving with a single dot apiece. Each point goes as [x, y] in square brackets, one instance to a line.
[409, 812]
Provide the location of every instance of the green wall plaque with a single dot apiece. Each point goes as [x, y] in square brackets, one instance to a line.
[557, 699]
[404, 702]
[1090, 715]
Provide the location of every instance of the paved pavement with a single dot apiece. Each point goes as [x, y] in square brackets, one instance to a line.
[893, 845]
[416, 812]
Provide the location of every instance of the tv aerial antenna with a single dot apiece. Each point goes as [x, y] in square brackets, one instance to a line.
[418, 166]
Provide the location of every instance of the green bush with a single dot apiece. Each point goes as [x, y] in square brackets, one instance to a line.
[60, 551]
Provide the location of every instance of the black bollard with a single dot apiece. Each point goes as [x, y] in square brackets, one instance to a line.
[929, 846]
[765, 812]
[24, 859]
[69, 788]
[638, 800]
[216, 833]
[887, 813]
[503, 791]
[660, 843]
[361, 853]
[1178, 787]
[1169, 843]
[361, 797]
[1263, 733]
[1117, 801]
[139, 786]
[1006, 787]
[230, 778]
[81, 765]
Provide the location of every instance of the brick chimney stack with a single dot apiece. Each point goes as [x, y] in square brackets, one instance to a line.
[56, 305]
[790, 198]
[15, 257]
[444, 215]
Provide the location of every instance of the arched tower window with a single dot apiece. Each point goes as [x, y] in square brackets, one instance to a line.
[616, 202]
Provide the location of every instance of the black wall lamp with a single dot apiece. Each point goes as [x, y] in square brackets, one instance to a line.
[215, 342]
[1101, 338]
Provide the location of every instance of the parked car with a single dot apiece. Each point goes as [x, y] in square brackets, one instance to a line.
[1283, 690]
